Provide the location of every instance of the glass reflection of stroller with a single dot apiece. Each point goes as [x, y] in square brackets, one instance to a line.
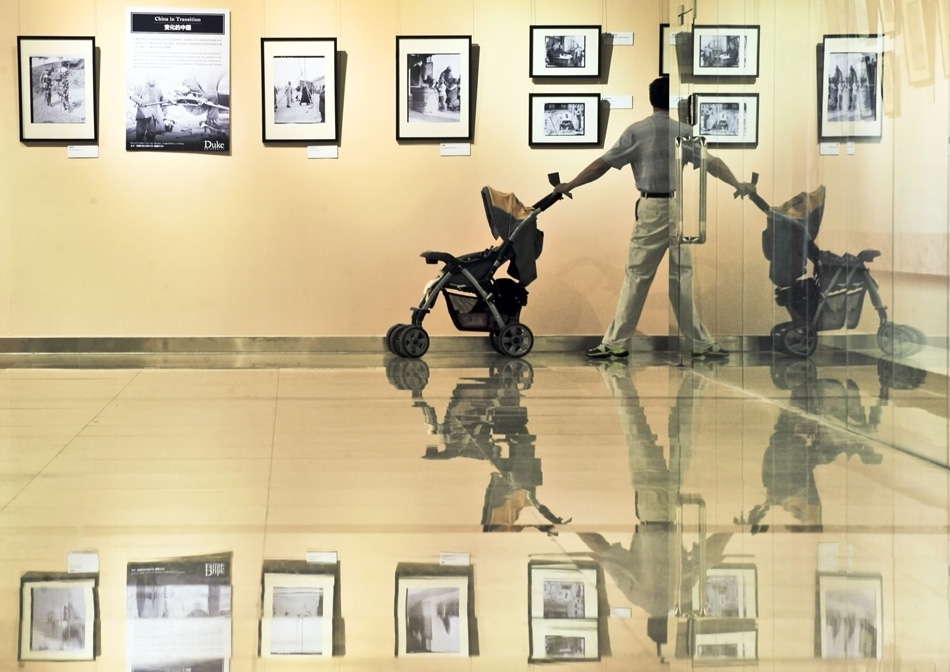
[476, 300]
[833, 297]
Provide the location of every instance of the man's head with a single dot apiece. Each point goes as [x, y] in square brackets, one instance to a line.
[660, 93]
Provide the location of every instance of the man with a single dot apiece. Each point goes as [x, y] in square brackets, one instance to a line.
[46, 81]
[648, 147]
[149, 113]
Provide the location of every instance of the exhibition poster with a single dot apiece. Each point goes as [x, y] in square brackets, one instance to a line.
[179, 614]
[178, 95]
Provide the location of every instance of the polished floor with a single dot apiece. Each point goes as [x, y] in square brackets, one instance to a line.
[783, 514]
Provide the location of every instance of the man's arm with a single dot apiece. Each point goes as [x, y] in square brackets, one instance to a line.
[718, 169]
[596, 170]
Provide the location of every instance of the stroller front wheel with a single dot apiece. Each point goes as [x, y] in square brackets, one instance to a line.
[900, 340]
[800, 340]
[514, 340]
[412, 341]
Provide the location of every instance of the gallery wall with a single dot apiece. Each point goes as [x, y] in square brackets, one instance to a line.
[266, 242]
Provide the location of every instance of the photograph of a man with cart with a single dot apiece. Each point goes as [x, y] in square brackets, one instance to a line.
[648, 147]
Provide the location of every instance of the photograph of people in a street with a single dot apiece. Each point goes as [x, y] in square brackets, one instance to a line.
[564, 119]
[435, 88]
[563, 599]
[58, 620]
[432, 620]
[565, 51]
[852, 86]
[57, 87]
[299, 89]
[850, 623]
[296, 627]
[719, 119]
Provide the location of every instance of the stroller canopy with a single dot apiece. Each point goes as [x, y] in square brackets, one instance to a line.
[505, 212]
[789, 239]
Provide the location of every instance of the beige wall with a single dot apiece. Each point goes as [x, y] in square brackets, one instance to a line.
[150, 244]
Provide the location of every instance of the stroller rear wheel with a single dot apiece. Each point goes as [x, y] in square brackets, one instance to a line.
[800, 340]
[514, 340]
[900, 340]
[412, 341]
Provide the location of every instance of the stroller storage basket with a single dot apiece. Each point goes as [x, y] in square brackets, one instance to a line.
[844, 288]
[468, 312]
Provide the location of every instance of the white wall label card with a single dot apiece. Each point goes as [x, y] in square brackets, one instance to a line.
[829, 149]
[620, 102]
[622, 39]
[323, 152]
[322, 557]
[455, 149]
[82, 151]
[455, 559]
[82, 562]
[621, 612]
[828, 556]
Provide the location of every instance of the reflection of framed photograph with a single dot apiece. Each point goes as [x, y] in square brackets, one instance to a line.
[564, 119]
[917, 53]
[726, 51]
[716, 641]
[57, 619]
[727, 119]
[298, 76]
[297, 620]
[667, 50]
[564, 639]
[434, 88]
[565, 51]
[57, 89]
[432, 616]
[851, 87]
[850, 616]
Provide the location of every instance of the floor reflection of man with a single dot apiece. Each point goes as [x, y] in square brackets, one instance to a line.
[645, 572]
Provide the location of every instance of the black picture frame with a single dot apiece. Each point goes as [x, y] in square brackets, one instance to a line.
[698, 29]
[24, 620]
[710, 140]
[823, 124]
[26, 125]
[664, 39]
[593, 100]
[534, 72]
[333, 105]
[466, 90]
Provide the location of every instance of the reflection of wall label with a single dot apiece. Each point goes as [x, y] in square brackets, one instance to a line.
[622, 39]
[214, 569]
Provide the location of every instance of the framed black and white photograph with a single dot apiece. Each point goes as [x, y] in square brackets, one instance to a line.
[297, 619]
[727, 119]
[850, 616]
[564, 119]
[434, 88]
[298, 76]
[726, 645]
[667, 50]
[58, 619]
[852, 93]
[726, 51]
[57, 89]
[730, 592]
[565, 51]
[432, 616]
[564, 640]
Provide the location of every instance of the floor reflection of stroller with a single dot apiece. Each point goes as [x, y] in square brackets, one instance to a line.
[485, 416]
[475, 299]
[808, 436]
[833, 297]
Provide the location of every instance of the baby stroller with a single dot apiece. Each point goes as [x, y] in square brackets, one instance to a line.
[833, 297]
[476, 300]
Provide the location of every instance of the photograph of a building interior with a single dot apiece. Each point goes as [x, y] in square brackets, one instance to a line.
[475, 335]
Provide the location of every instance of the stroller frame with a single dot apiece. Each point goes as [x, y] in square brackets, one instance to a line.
[507, 335]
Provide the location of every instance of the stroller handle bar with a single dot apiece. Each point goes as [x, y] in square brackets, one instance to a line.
[760, 202]
[553, 197]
